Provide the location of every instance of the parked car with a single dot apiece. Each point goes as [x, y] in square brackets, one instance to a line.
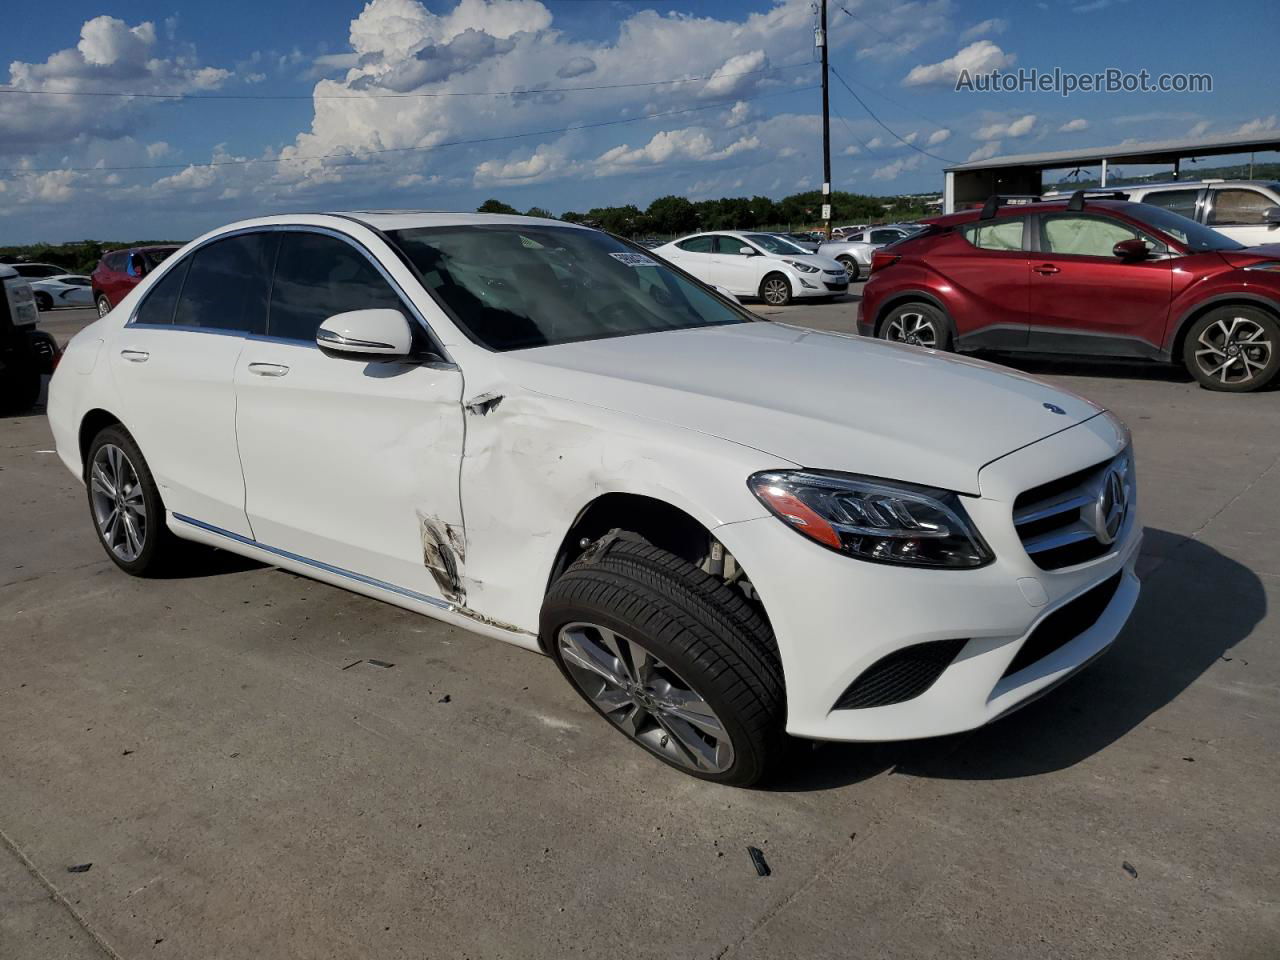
[1247, 211]
[756, 265]
[883, 234]
[540, 433]
[121, 270]
[37, 271]
[63, 290]
[1092, 276]
[25, 352]
[853, 255]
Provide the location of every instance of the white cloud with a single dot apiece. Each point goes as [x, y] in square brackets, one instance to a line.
[576, 67]
[735, 74]
[1259, 125]
[671, 146]
[1071, 126]
[939, 136]
[851, 151]
[991, 26]
[1013, 128]
[1200, 129]
[895, 169]
[986, 151]
[978, 57]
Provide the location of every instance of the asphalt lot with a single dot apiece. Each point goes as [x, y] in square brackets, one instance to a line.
[239, 794]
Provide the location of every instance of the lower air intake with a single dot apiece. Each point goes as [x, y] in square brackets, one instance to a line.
[901, 675]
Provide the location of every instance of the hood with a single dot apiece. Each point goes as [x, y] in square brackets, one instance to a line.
[1251, 255]
[813, 259]
[819, 400]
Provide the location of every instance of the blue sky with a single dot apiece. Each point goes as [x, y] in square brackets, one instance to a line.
[361, 132]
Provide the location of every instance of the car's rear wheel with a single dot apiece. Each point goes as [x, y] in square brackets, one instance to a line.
[775, 290]
[674, 659]
[125, 505]
[1234, 349]
[43, 301]
[104, 305]
[919, 324]
[850, 267]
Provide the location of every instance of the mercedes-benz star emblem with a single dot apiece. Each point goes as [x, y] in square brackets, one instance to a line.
[1110, 507]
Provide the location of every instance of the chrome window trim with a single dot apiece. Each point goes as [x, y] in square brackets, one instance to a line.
[171, 261]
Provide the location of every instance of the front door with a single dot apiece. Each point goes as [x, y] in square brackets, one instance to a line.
[349, 464]
[740, 274]
[1084, 299]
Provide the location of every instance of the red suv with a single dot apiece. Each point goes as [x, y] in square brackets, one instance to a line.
[120, 271]
[1088, 276]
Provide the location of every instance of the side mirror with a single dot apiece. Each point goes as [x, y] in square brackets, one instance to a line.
[1271, 215]
[1133, 249]
[366, 333]
[747, 251]
[137, 265]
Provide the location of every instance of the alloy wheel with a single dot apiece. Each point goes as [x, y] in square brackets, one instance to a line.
[914, 328]
[1233, 351]
[776, 291]
[850, 269]
[645, 698]
[118, 505]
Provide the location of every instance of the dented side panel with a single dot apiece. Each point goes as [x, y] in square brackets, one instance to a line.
[533, 463]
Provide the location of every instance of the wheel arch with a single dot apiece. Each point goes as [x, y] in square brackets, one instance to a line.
[91, 424]
[1174, 344]
[910, 296]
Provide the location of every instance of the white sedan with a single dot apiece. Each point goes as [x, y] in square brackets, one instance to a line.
[63, 290]
[760, 265]
[722, 530]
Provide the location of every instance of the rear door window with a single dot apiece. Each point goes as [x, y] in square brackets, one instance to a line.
[1003, 234]
[227, 284]
[158, 307]
[704, 244]
[1177, 201]
[1235, 206]
[318, 276]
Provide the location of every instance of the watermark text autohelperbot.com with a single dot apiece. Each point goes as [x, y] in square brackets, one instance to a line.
[1066, 83]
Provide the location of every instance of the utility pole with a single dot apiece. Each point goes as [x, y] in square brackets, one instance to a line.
[821, 41]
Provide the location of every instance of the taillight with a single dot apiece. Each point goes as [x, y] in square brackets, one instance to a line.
[881, 259]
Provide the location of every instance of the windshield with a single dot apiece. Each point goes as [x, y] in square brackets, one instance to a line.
[513, 286]
[771, 244]
[1194, 236]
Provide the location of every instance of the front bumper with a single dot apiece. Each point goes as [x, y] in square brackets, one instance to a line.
[835, 616]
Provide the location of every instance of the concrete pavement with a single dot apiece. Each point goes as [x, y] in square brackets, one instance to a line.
[240, 794]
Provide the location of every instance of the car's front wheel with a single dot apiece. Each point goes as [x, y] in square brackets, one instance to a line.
[104, 305]
[674, 659]
[124, 502]
[775, 290]
[850, 267]
[920, 324]
[1235, 349]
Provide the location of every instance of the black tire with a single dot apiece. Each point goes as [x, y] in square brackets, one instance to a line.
[19, 389]
[707, 633]
[44, 302]
[1233, 349]
[161, 551]
[103, 304]
[773, 293]
[850, 267]
[918, 323]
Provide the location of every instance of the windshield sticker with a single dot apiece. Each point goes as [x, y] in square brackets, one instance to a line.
[634, 259]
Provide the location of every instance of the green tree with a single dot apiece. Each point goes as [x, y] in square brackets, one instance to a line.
[496, 206]
[672, 214]
[540, 212]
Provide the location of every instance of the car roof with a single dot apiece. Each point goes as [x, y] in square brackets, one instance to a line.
[416, 219]
[1053, 205]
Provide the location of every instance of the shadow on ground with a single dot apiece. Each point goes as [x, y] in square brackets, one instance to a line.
[1195, 606]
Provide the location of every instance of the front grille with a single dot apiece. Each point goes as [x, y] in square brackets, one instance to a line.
[901, 675]
[1065, 624]
[835, 286]
[1058, 521]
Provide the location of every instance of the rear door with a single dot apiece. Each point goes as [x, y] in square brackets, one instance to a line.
[986, 265]
[1187, 201]
[174, 365]
[1083, 299]
[349, 464]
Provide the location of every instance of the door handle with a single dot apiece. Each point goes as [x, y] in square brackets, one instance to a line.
[1046, 269]
[135, 356]
[268, 369]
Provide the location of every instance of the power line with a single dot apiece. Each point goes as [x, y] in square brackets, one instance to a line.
[388, 96]
[883, 125]
[386, 150]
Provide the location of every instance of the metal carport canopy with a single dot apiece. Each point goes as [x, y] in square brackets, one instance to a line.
[973, 182]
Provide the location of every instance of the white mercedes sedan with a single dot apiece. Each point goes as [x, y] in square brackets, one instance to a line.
[723, 530]
[764, 265]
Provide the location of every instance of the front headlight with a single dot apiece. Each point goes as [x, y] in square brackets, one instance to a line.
[802, 267]
[879, 520]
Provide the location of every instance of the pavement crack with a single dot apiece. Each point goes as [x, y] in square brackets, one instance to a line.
[57, 896]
